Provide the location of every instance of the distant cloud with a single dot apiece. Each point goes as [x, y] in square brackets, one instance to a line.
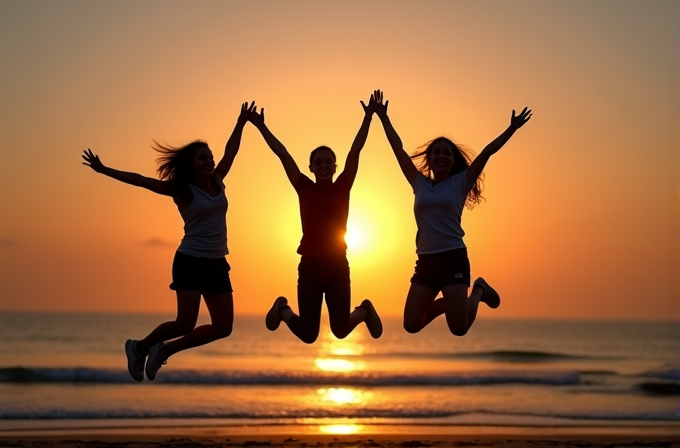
[157, 242]
[9, 242]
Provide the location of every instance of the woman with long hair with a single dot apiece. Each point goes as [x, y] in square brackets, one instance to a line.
[323, 268]
[189, 176]
[447, 179]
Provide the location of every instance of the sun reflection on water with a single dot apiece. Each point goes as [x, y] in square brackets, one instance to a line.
[353, 350]
[336, 356]
[338, 365]
[352, 345]
[341, 395]
[341, 429]
[333, 353]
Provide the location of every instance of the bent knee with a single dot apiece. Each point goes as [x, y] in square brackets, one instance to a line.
[458, 330]
[412, 327]
[309, 338]
[340, 334]
[223, 331]
[339, 331]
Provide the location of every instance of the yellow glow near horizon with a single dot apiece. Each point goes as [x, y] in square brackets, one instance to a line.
[347, 351]
[341, 348]
[337, 365]
[341, 429]
[350, 346]
[332, 351]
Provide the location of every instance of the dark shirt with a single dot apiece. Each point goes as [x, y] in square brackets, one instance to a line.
[324, 217]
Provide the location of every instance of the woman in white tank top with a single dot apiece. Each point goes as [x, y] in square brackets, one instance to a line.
[188, 174]
[447, 180]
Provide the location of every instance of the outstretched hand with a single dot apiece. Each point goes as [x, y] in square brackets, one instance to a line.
[380, 108]
[368, 110]
[518, 121]
[92, 160]
[255, 118]
[246, 111]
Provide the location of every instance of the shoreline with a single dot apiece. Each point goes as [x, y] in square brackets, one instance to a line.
[209, 433]
[496, 440]
[152, 428]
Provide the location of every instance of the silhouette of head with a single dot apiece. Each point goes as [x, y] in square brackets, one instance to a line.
[438, 149]
[184, 163]
[322, 163]
[442, 152]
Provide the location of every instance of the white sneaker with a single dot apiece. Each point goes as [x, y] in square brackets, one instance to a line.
[273, 318]
[489, 295]
[135, 362]
[156, 359]
[373, 322]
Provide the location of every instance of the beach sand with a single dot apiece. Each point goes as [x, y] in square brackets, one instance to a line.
[370, 436]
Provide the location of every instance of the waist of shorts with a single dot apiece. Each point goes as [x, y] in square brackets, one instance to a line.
[335, 258]
[429, 250]
[318, 264]
[212, 255]
[461, 251]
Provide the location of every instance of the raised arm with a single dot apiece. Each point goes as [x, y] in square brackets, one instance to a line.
[405, 163]
[289, 165]
[155, 185]
[234, 142]
[349, 173]
[477, 165]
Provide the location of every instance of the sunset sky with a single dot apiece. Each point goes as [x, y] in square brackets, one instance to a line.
[581, 217]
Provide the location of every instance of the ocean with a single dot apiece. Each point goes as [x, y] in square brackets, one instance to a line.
[69, 370]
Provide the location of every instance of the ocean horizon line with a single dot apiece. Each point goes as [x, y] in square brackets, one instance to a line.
[204, 313]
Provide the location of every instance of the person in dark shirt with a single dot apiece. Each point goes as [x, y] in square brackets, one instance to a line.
[323, 268]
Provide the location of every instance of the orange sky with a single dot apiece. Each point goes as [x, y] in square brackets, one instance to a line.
[580, 219]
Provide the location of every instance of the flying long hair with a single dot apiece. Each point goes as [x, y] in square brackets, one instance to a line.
[175, 163]
[462, 157]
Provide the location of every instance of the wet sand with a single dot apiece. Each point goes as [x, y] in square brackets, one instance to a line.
[371, 436]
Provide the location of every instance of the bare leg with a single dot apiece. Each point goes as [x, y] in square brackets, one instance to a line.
[417, 311]
[306, 326]
[437, 309]
[221, 309]
[188, 303]
[338, 301]
[357, 316]
[473, 304]
[461, 310]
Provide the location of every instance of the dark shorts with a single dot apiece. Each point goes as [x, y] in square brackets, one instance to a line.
[441, 269]
[318, 278]
[323, 275]
[209, 276]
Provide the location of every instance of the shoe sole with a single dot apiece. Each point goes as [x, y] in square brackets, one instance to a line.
[130, 354]
[490, 292]
[375, 328]
[152, 356]
[273, 320]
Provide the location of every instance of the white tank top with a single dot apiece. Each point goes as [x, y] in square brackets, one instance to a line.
[205, 225]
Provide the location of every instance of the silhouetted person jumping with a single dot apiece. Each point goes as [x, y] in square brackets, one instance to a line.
[446, 180]
[323, 268]
[188, 174]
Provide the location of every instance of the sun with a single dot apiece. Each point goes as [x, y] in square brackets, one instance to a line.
[358, 235]
[354, 237]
